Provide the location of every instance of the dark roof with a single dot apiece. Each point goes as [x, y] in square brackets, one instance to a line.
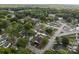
[38, 38]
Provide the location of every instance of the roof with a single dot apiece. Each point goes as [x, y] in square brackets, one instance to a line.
[77, 28]
[38, 38]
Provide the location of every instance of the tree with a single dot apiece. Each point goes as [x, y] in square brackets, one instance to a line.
[28, 25]
[22, 42]
[43, 42]
[4, 51]
[56, 18]
[14, 28]
[13, 50]
[65, 41]
[19, 15]
[49, 30]
[4, 23]
[58, 40]
[43, 19]
[31, 32]
[13, 19]
[12, 31]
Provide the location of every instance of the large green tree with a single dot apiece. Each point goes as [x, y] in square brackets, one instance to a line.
[22, 42]
[65, 41]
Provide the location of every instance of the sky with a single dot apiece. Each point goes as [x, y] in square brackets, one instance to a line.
[39, 1]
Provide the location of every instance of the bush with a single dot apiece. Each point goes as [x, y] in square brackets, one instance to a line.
[49, 52]
[7, 50]
[23, 51]
[63, 51]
